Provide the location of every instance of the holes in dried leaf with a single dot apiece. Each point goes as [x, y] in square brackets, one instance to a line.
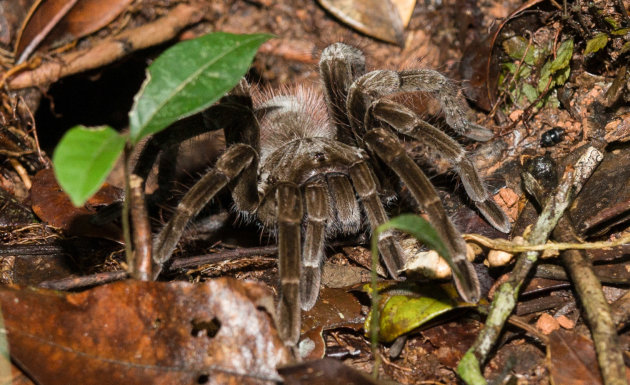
[205, 328]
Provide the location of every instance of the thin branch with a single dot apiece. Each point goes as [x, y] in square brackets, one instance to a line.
[112, 49]
[506, 296]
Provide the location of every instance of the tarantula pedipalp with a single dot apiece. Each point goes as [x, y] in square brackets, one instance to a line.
[304, 174]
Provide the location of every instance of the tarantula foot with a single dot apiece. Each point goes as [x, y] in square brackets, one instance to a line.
[466, 281]
[309, 287]
[477, 132]
[494, 215]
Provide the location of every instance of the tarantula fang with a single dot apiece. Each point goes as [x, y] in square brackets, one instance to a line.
[305, 170]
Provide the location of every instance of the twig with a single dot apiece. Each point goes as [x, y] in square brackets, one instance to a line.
[596, 309]
[142, 242]
[513, 247]
[469, 368]
[111, 49]
[88, 280]
[615, 274]
[223, 256]
[620, 311]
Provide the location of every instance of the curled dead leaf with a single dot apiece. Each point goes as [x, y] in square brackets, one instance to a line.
[145, 333]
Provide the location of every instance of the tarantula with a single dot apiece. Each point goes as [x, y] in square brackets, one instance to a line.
[302, 168]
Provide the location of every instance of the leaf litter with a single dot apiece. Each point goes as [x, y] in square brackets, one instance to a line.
[577, 116]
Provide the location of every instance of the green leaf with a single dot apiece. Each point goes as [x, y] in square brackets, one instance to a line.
[5, 358]
[562, 76]
[545, 78]
[624, 48]
[563, 56]
[612, 22]
[595, 44]
[620, 31]
[530, 92]
[189, 77]
[509, 67]
[515, 47]
[407, 306]
[83, 159]
[419, 228]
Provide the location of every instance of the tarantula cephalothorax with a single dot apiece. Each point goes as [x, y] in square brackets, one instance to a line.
[303, 171]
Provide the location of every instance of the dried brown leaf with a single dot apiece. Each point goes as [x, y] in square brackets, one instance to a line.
[52, 205]
[144, 333]
[571, 359]
[86, 17]
[377, 18]
[41, 19]
[335, 308]
[325, 372]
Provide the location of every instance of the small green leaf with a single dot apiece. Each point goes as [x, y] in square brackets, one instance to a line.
[612, 22]
[509, 67]
[563, 56]
[562, 76]
[524, 72]
[407, 306]
[189, 77]
[84, 157]
[5, 358]
[624, 48]
[530, 92]
[595, 44]
[545, 80]
[620, 31]
[517, 48]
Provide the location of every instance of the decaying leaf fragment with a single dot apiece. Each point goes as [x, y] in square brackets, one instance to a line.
[571, 359]
[377, 18]
[406, 306]
[335, 308]
[145, 333]
[324, 372]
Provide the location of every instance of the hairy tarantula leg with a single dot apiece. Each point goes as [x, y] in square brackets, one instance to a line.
[388, 148]
[407, 122]
[454, 108]
[365, 185]
[377, 84]
[339, 65]
[232, 164]
[289, 214]
[344, 205]
[317, 214]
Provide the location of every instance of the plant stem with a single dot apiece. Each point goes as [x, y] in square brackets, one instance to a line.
[126, 228]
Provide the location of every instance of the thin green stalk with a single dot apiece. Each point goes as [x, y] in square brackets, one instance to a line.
[374, 321]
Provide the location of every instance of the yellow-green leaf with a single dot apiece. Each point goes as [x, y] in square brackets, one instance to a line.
[406, 306]
[595, 44]
[563, 56]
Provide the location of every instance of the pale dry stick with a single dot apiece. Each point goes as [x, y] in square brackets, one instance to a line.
[142, 241]
[112, 49]
[469, 368]
[513, 247]
[596, 309]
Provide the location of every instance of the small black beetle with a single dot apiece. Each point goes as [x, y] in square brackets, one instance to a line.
[551, 137]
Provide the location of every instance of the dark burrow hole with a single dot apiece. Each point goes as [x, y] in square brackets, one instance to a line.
[203, 379]
[204, 327]
[93, 98]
